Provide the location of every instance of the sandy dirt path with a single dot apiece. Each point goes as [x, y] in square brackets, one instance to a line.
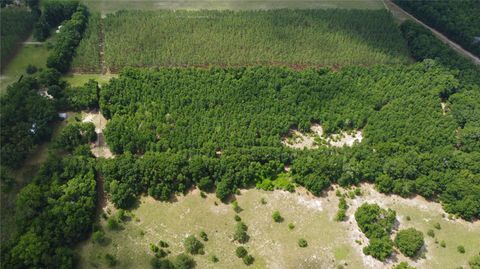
[402, 15]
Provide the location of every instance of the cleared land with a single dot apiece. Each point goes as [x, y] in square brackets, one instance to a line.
[298, 38]
[272, 244]
[109, 6]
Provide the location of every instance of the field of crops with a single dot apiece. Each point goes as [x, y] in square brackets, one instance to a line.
[278, 37]
[88, 51]
[110, 6]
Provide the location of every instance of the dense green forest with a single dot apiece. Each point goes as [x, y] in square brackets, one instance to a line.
[458, 19]
[224, 127]
[16, 24]
[227, 38]
[424, 45]
[53, 13]
[87, 57]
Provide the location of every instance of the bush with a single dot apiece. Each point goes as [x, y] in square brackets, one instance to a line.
[99, 237]
[248, 260]
[183, 261]
[236, 207]
[241, 252]
[203, 235]
[431, 233]
[379, 248]
[461, 249]
[291, 226]
[474, 262]
[163, 244]
[111, 260]
[193, 245]
[302, 243]
[31, 69]
[237, 218]
[277, 217]
[443, 244]
[437, 226]
[240, 234]
[409, 241]
[112, 224]
[403, 265]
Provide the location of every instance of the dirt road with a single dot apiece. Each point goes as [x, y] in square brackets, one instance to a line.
[402, 15]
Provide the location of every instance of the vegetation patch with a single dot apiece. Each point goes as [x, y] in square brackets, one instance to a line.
[296, 38]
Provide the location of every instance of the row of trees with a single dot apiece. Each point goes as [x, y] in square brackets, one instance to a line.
[53, 13]
[67, 40]
[16, 24]
[410, 146]
[269, 37]
[457, 19]
[424, 45]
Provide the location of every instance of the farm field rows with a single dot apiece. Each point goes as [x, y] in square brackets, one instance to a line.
[110, 6]
[272, 244]
[298, 38]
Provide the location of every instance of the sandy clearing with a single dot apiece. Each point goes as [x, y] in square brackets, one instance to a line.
[100, 147]
[299, 140]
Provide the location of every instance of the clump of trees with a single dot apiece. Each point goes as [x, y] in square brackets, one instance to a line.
[409, 241]
[342, 209]
[53, 213]
[376, 223]
[76, 134]
[82, 98]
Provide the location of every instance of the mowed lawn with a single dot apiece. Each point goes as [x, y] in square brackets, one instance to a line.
[273, 245]
[109, 6]
[294, 38]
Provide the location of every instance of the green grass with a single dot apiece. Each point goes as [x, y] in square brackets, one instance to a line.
[80, 79]
[298, 38]
[28, 54]
[109, 6]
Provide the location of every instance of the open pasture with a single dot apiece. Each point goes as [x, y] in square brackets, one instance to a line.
[296, 38]
[274, 245]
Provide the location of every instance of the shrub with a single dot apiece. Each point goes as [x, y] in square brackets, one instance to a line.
[379, 248]
[461, 249]
[437, 226]
[240, 234]
[163, 244]
[99, 237]
[203, 235]
[241, 252]
[183, 261]
[248, 260]
[409, 241]
[431, 233]
[302, 243]
[112, 224]
[193, 245]
[291, 226]
[31, 69]
[277, 217]
[111, 260]
[403, 265]
[237, 218]
[474, 262]
[443, 244]
[236, 207]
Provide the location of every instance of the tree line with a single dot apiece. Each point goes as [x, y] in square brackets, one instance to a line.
[457, 19]
[171, 117]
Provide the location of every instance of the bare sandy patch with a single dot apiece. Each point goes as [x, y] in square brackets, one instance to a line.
[316, 136]
[100, 147]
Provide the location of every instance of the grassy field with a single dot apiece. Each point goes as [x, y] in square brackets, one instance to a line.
[34, 54]
[297, 38]
[272, 244]
[109, 6]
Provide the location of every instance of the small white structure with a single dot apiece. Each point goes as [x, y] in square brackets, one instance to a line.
[63, 115]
